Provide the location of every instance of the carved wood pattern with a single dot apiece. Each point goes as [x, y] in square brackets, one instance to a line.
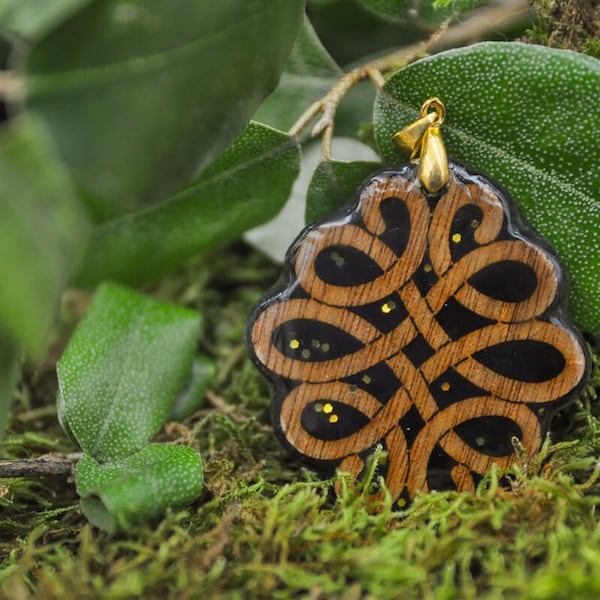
[430, 324]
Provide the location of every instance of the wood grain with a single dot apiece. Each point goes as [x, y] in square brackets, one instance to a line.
[463, 366]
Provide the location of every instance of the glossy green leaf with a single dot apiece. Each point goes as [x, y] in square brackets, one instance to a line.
[243, 188]
[140, 487]
[43, 233]
[191, 398]
[128, 359]
[31, 18]
[523, 115]
[139, 96]
[334, 184]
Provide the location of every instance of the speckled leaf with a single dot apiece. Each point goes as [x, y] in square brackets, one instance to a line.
[191, 398]
[140, 95]
[128, 359]
[31, 18]
[246, 186]
[522, 114]
[140, 487]
[43, 233]
[334, 184]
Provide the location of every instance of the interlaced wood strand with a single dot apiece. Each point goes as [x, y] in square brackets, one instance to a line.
[430, 325]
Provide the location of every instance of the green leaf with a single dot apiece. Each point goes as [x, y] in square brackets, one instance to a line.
[243, 188]
[128, 359]
[140, 96]
[32, 18]
[308, 75]
[350, 33]
[191, 398]
[140, 487]
[400, 11]
[43, 233]
[395, 11]
[522, 114]
[334, 184]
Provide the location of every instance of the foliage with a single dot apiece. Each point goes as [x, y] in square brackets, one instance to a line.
[333, 183]
[115, 122]
[537, 153]
[43, 231]
[129, 152]
[124, 248]
[125, 364]
[262, 529]
[572, 24]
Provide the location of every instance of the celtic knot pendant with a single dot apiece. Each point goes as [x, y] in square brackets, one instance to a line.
[428, 323]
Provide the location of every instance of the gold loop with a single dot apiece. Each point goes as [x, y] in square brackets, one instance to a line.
[436, 105]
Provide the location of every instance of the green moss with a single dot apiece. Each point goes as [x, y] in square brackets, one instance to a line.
[266, 528]
[567, 24]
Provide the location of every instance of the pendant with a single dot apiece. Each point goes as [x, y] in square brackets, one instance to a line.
[427, 318]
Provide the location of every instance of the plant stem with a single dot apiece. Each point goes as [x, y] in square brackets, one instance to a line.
[38, 467]
[328, 105]
[474, 29]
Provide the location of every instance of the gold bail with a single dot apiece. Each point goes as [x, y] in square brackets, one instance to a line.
[410, 137]
[423, 140]
[434, 172]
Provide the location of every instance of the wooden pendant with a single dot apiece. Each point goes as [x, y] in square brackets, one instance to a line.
[430, 324]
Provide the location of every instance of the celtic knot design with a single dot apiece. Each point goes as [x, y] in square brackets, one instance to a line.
[430, 325]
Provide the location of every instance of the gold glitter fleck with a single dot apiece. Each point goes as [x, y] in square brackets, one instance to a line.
[388, 307]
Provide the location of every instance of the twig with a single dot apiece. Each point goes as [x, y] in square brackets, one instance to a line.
[328, 105]
[38, 467]
[489, 19]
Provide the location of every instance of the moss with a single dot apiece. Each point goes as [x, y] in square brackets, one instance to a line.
[567, 24]
[266, 528]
